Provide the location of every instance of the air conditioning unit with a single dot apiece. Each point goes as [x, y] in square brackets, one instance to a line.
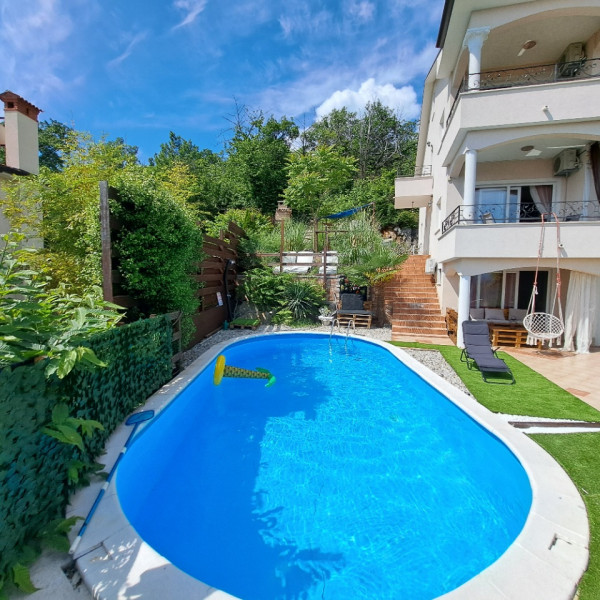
[430, 266]
[571, 60]
[566, 162]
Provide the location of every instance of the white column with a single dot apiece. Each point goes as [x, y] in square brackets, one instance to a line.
[470, 180]
[588, 178]
[464, 302]
[474, 39]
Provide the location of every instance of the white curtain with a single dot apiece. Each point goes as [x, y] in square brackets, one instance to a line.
[582, 322]
[542, 197]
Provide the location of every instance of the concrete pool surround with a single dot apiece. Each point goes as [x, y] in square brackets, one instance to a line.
[546, 560]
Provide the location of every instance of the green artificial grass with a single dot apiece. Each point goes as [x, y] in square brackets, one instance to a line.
[577, 453]
[245, 322]
[532, 394]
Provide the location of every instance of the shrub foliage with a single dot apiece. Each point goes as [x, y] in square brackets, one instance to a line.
[37, 472]
[160, 246]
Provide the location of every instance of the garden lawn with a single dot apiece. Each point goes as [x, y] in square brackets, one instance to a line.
[532, 394]
[577, 453]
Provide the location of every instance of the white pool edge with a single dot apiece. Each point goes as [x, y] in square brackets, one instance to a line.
[546, 560]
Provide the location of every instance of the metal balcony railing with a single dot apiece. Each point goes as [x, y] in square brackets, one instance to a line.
[573, 211]
[423, 171]
[524, 76]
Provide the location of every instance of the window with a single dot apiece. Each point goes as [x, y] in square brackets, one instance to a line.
[508, 289]
[513, 203]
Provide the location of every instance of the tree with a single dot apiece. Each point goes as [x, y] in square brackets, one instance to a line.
[202, 176]
[385, 141]
[62, 207]
[338, 129]
[176, 150]
[52, 136]
[315, 175]
[378, 139]
[258, 153]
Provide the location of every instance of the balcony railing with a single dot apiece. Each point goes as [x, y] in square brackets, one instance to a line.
[523, 76]
[582, 210]
[423, 171]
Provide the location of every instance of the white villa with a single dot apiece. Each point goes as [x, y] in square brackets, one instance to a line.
[510, 131]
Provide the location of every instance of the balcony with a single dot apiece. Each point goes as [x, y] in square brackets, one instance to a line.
[487, 214]
[527, 76]
[414, 192]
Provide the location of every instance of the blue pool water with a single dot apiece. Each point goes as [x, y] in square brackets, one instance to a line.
[351, 477]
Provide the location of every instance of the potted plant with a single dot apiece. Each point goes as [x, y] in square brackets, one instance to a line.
[325, 315]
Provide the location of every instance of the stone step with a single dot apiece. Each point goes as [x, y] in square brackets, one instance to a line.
[425, 338]
[416, 299]
[409, 313]
[419, 331]
[411, 291]
[422, 319]
[412, 281]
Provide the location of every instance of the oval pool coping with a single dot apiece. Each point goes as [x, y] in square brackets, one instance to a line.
[546, 560]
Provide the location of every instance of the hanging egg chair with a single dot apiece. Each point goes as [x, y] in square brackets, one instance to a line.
[545, 326]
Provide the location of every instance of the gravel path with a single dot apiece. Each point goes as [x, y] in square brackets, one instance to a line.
[430, 358]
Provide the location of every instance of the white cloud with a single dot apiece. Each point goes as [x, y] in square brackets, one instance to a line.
[299, 19]
[127, 52]
[191, 8]
[363, 10]
[403, 100]
[34, 36]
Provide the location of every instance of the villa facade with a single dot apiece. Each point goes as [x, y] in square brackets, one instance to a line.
[508, 153]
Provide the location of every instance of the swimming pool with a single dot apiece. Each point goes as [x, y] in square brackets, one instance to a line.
[350, 477]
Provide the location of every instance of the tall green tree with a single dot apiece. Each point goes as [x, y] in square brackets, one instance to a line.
[179, 150]
[208, 180]
[258, 153]
[62, 207]
[316, 175]
[338, 128]
[53, 136]
[377, 138]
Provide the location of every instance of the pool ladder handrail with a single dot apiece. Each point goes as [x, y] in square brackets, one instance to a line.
[337, 321]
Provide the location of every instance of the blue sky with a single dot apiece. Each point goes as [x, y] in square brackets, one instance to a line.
[141, 68]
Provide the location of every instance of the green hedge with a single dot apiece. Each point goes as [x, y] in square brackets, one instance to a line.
[34, 487]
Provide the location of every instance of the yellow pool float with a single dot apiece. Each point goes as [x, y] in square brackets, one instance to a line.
[224, 370]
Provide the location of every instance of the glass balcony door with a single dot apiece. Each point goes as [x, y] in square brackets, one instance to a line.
[511, 204]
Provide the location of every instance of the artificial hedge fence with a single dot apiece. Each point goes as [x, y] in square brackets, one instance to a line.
[34, 485]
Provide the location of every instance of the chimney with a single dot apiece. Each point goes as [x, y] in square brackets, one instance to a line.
[21, 133]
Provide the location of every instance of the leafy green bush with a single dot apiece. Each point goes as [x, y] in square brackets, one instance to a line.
[69, 203]
[251, 220]
[56, 406]
[37, 471]
[292, 299]
[160, 246]
[264, 288]
[301, 301]
[364, 257]
[298, 236]
[37, 323]
[267, 240]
